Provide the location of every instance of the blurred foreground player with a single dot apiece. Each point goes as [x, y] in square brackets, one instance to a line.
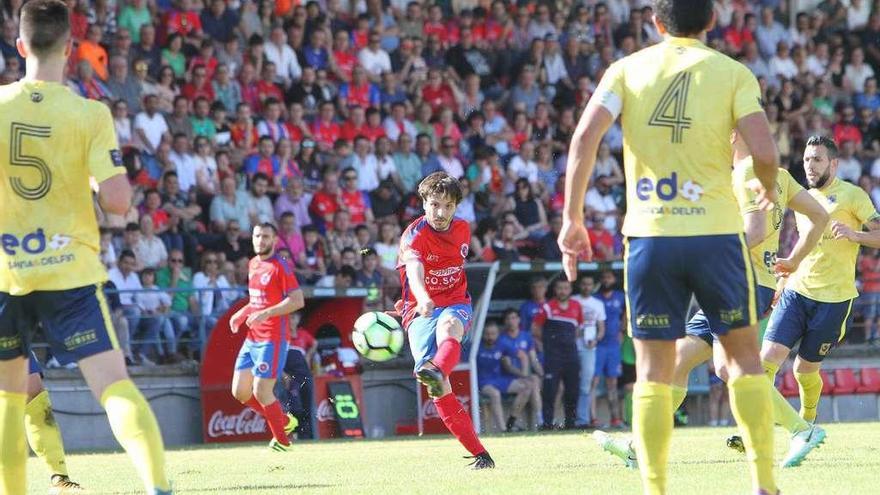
[436, 306]
[274, 295]
[679, 102]
[53, 144]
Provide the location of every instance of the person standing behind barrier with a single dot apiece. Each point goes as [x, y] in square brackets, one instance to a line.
[530, 308]
[608, 350]
[298, 379]
[592, 331]
[557, 322]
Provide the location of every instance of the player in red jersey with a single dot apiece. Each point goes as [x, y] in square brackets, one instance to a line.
[436, 306]
[274, 294]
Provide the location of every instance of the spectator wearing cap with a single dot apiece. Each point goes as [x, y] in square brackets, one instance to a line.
[122, 86]
[178, 121]
[230, 204]
[219, 22]
[397, 124]
[226, 89]
[202, 123]
[277, 51]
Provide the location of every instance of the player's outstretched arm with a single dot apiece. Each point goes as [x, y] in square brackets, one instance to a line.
[114, 194]
[755, 131]
[871, 238]
[573, 239]
[756, 227]
[806, 205]
[293, 302]
[415, 278]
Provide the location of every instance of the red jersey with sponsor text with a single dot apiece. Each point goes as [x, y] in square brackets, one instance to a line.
[269, 282]
[442, 254]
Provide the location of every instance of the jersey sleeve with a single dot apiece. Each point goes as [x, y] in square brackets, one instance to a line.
[863, 207]
[793, 188]
[411, 246]
[611, 90]
[745, 196]
[104, 157]
[287, 277]
[747, 94]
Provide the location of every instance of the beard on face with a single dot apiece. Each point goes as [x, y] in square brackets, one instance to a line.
[820, 183]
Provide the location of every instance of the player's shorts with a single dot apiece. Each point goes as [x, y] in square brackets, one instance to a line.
[608, 363]
[76, 322]
[422, 331]
[663, 272]
[34, 365]
[264, 359]
[501, 383]
[819, 326]
[698, 326]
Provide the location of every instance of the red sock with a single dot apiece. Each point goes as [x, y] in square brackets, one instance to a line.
[459, 423]
[254, 404]
[448, 355]
[277, 421]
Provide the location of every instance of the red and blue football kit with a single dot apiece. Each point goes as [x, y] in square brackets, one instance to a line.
[265, 348]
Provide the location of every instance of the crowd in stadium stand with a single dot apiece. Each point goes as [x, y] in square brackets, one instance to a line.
[323, 116]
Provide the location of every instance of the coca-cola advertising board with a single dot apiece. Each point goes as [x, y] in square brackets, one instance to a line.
[430, 418]
[224, 419]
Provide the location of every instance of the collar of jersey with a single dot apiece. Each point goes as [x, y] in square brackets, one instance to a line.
[683, 41]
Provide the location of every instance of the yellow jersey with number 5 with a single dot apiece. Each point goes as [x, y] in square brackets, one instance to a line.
[828, 273]
[764, 254]
[51, 142]
[679, 101]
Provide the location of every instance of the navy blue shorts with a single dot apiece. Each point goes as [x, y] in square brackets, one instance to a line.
[76, 322]
[661, 274]
[698, 326]
[34, 365]
[819, 326]
[608, 363]
[501, 383]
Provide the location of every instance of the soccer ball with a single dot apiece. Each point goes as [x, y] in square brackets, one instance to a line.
[377, 336]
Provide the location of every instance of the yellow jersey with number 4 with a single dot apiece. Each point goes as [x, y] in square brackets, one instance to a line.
[764, 254]
[51, 142]
[828, 273]
[679, 101]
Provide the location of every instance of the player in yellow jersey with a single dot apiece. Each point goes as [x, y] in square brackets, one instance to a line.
[52, 144]
[762, 236]
[815, 306]
[679, 102]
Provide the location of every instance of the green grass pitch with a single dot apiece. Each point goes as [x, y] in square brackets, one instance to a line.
[546, 464]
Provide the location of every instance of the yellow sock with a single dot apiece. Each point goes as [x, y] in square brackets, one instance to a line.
[810, 387]
[678, 396]
[13, 449]
[750, 403]
[783, 413]
[652, 429]
[43, 434]
[136, 429]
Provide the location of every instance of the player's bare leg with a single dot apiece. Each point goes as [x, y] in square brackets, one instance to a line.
[13, 449]
[243, 387]
[435, 376]
[494, 396]
[44, 437]
[534, 401]
[750, 403]
[522, 387]
[130, 416]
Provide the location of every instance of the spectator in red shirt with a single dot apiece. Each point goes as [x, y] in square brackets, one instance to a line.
[374, 129]
[325, 129]
[437, 93]
[436, 26]
[355, 125]
[185, 22]
[738, 34]
[869, 268]
[342, 61]
[266, 87]
[297, 128]
[846, 128]
[152, 207]
[243, 130]
[602, 241]
[205, 58]
[326, 201]
[359, 92]
[356, 202]
[200, 86]
[250, 94]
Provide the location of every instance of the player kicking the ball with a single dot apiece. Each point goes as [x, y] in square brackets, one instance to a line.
[436, 306]
[274, 295]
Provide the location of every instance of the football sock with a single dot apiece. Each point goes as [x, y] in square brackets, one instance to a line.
[13, 448]
[678, 396]
[652, 429]
[448, 355]
[277, 421]
[136, 429]
[751, 406]
[810, 387]
[254, 404]
[783, 413]
[43, 434]
[458, 421]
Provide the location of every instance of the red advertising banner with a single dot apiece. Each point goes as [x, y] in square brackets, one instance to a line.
[461, 386]
[224, 419]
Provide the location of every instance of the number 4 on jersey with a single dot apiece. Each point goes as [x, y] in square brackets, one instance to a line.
[670, 111]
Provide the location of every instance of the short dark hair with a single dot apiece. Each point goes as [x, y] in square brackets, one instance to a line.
[268, 225]
[260, 176]
[127, 253]
[683, 18]
[827, 142]
[44, 25]
[347, 272]
[440, 183]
